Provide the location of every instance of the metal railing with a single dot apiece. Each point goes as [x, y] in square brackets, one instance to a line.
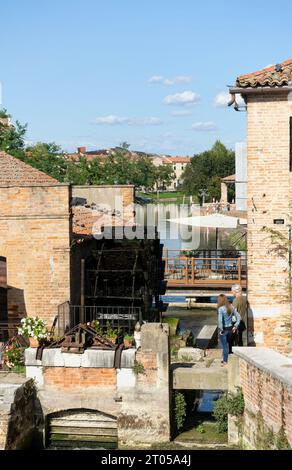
[181, 268]
[8, 330]
[122, 318]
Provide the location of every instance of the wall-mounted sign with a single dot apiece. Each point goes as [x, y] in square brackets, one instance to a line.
[279, 221]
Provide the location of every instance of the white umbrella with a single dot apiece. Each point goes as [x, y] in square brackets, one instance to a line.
[211, 221]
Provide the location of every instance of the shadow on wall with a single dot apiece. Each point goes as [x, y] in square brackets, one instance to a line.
[250, 328]
[15, 303]
[12, 304]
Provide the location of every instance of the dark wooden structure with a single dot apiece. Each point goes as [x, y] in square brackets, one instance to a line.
[118, 281]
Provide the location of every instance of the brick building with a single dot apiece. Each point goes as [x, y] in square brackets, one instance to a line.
[34, 239]
[39, 226]
[267, 94]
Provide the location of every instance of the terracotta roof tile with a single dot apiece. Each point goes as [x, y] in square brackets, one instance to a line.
[87, 221]
[178, 159]
[16, 172]
[273, 76]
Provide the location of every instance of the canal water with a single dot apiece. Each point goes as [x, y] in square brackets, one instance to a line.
[180, 237]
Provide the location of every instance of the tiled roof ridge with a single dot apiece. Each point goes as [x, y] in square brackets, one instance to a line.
[15, 171]
[268, 76]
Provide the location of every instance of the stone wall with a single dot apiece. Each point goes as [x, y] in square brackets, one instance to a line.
[145, 410]
[139, 401]
[121, 197]
[265, 377]
[35, 239]
[17, 403]
[269, 193]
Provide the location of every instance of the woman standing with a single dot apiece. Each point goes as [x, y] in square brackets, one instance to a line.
[228, 322]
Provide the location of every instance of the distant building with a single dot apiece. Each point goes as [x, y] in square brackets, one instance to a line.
[178, 163]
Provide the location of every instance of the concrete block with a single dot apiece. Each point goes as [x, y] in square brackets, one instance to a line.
[72, 360]
[125, 379]
[199, 378]
[35, 373]
[97, 358]
[190, 354]
[128, 358]
[30, 357]
[208, 337]
[154, 337]
[52, 358]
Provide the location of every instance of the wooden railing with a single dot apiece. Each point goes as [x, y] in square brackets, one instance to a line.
[181, 269]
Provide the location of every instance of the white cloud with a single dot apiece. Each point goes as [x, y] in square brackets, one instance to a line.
[222, 99]
[182, 113]
[206, 126]
[113, 120]
[179, 79]
[156, 79]
[182, 99]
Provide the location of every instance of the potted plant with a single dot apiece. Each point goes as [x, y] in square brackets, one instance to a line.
[128, 340]
[34, 329]
[111, 334]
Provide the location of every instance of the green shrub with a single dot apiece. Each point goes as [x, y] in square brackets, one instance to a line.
[229, 403]
[179, 410]
[138, 368]
[201, 429]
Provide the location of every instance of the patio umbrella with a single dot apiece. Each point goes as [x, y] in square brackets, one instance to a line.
[216, 221]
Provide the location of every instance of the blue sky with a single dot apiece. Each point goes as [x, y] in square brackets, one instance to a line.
[79, 71]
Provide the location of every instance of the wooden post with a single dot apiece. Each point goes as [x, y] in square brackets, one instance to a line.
[82, 294]
[166, 261]
[193, 271]
[239, 269]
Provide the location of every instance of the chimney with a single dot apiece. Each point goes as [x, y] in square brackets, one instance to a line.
[81, 149]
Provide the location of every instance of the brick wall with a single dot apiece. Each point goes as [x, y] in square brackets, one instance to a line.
[35, 239]
[149, 361]
[268, 199]
[72, 378]
[266, 380]
[265, 398]
[120, 197]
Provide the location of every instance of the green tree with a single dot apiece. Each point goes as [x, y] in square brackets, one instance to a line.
[12, 136]
[206, 170]
[164, 175]
[49, 158]
[144, 172]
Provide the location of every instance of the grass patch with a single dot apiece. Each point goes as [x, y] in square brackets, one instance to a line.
[202, 431]
[173, 325]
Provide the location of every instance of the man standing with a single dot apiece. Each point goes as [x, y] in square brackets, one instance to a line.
[240, 303]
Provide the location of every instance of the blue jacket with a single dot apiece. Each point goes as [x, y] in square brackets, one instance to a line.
[225, 319]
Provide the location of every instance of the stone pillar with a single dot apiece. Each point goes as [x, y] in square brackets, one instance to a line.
[145, 413]
[224, 194]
